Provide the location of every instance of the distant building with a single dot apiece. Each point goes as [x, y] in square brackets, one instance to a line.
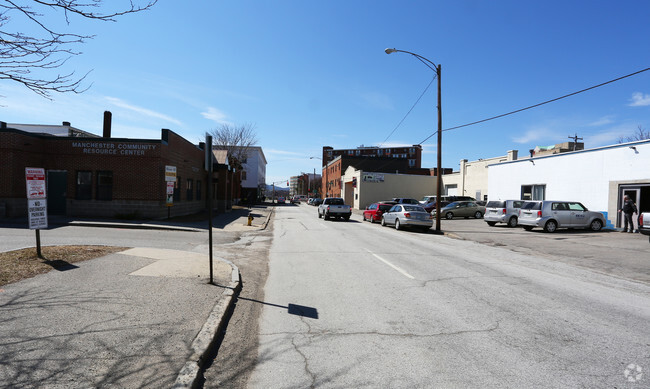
[411, 154]
[565, 147]
[253, 172]
[335, 169]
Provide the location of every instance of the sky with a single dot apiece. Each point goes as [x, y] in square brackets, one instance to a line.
[308, 74]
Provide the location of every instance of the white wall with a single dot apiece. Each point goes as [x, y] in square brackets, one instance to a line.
[255, 168]
[583, 176]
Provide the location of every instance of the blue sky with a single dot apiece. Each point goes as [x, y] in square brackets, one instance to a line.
[312, 73]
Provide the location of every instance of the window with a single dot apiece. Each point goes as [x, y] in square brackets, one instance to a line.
[177, 189]
[243, 175]
[198, 190]
[358, 152]
[411, 162]
[105, 185]
[412, 150]
[189, 195]
[533, 192]
[84, 186]
[380, 152]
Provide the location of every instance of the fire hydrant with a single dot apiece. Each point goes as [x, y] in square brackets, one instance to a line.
[250, 219]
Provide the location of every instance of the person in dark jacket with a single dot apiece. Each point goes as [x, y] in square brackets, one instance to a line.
[629, 209]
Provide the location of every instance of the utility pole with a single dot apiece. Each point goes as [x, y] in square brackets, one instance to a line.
[575, 140]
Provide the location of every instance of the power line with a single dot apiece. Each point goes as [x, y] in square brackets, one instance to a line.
[409, 111]
[537, 105]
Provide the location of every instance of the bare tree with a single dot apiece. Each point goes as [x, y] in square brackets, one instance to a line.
[640, 134]
[237, 140]
[26, 57]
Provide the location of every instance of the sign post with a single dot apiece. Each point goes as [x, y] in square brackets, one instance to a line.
[36, 203]
[209, 168]
[170, 179]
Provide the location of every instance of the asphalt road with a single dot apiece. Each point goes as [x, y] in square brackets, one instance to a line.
[353, 304]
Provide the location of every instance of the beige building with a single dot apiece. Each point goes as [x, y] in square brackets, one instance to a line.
[361, 189]
[472, 178]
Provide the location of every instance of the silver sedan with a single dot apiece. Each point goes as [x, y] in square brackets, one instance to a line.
[407, 215]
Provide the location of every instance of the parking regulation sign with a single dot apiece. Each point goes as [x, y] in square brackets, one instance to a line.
[37, 209]
[35, 178]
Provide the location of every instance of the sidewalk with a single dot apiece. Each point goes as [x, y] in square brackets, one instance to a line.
[139, 318]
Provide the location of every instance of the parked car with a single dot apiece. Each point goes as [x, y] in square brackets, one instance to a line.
[407, 215]
[295, 200]
[374, 211]
[502, 211]
[453, 198]
[644, 224]
[462, 209]
[431, 206]
[317, 201]
[300, 197]
[310, 200]
[281, 200]
[404, 200]
[428, 199]
[551, 215]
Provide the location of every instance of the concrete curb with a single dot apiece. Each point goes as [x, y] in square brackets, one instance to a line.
[189, 375]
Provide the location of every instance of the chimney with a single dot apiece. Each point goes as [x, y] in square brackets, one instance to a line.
[66, 124]
[107, 124]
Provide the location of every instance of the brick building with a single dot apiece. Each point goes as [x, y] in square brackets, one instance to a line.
[411, 154]
[91, 176]
[335, 169]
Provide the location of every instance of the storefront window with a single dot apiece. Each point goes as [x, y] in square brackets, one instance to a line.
[105, 185]
[84, 186]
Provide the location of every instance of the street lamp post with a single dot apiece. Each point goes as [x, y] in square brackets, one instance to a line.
[438, 70]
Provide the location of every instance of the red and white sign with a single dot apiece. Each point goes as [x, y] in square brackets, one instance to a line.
[35, 178]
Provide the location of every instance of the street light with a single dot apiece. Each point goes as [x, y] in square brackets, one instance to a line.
[438, 70]
[321, 189]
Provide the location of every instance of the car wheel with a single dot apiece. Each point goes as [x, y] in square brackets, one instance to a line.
[397, 226]
[383, 222]
[319, 215]
[550, 226]
[449, 215]
[528, 228]
[512, 223]
[326, 216]
[364, 217]
[596, 225]
[372, 219]
[478, 215]
[346, 218]
[491, 224]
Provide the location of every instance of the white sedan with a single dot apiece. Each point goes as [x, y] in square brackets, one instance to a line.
[407, 215]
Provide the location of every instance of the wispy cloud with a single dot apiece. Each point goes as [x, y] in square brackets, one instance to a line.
[605, 120]
[143, 111]
[639, 100]
[377, 100]
[530, 136]
[215, 115]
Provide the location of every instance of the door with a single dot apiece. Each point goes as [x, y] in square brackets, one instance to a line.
[562, 214]
[57, 187]
[635, 195]
[578, 218]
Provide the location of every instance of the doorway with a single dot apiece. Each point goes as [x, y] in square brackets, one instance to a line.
[640, 194]
[57, 188]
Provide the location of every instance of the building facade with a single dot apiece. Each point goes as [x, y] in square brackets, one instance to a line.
[331, 182]
[411, 154]
[598, 178]
[108, 177]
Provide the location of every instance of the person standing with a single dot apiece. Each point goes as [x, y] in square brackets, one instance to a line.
[629, 209]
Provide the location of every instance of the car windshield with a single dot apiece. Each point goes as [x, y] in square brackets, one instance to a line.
[496, 204]
[413, 208]
[384, 207]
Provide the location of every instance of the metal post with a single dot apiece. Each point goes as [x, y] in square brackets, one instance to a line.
[208, 146]
[38, 244]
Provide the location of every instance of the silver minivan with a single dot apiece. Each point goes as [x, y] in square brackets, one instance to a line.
[551, 215]
[502, 211]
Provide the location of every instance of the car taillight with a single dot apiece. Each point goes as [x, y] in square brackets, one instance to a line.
[503, 211]
[641, 220]
[328, 207]
[407, 215]
[539, 213]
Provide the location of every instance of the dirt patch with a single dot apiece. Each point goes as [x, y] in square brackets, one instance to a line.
[21, 264]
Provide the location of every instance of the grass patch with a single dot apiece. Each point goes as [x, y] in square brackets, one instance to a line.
[21, 264]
